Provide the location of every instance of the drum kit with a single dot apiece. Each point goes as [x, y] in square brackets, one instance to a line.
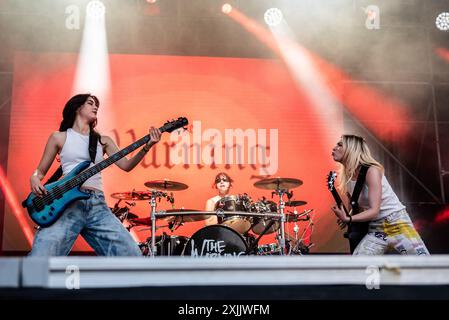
[241, 221]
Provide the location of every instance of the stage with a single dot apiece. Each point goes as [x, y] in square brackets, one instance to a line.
[267, 112]
[326, 277]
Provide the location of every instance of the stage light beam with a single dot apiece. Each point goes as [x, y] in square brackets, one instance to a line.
[92, 73]
[13, 202]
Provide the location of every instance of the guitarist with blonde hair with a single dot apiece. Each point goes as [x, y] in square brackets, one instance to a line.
[77, 142]
[388, 223]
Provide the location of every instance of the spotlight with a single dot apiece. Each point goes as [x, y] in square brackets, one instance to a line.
[226, 8]
[273, 17]
[95, 9]
[442, 21]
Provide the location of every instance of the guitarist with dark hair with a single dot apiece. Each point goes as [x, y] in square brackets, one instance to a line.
[373, 201]
[77, 205]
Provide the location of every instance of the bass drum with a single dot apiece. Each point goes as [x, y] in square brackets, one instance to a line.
[165, 245]
[215, 241]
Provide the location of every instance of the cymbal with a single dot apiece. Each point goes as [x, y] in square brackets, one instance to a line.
[188, 215]
[146, 221]
[166, 185]
[120, 211]
[278, 183]
[133, 195]
[295, 203]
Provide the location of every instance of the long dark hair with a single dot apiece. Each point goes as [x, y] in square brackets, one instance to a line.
[69, 115]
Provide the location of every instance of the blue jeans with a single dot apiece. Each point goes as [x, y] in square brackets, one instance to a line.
[91, 218]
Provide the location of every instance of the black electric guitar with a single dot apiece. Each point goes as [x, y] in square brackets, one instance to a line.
[356, 230]
[46, 210]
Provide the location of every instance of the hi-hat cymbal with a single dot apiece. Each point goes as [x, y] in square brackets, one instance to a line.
[278, 183]
[188, 215]
[141, 221]
[146, 221]
[166, 185]
[132, 195]
[295, 203]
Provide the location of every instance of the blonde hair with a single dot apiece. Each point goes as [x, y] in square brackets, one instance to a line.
[356, 153]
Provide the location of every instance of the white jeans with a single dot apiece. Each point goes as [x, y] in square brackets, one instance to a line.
[394, 231]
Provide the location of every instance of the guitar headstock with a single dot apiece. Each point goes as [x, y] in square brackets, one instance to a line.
[331, 177]
[171, 126]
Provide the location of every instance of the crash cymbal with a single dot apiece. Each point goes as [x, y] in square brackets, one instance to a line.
[122, 211]
[166, 185]
[278, 183]
[133, 195]
[295, 203]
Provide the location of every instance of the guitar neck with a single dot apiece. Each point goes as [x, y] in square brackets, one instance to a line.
[82, 177]
[338, 200]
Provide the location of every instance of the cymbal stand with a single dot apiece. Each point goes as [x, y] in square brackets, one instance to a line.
[281, 236]
[296, 228]
[154, 195]
[153, 251]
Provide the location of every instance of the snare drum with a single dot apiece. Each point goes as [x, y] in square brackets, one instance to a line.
[241, 224]
[215, 241]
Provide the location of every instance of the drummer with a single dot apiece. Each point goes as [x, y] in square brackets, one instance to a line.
[223, 183]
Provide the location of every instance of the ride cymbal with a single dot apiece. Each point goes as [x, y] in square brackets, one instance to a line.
[278, 183]
[166, 185]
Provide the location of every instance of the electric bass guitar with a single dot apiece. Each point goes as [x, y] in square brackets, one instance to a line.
[356, 230]
[46, 210]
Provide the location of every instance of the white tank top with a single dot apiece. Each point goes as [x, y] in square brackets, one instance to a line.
[76, 150]
[389, 202]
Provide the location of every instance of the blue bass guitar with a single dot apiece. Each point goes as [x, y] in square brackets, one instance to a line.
[46, 210]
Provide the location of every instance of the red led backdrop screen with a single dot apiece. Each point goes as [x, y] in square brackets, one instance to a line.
[254, 99]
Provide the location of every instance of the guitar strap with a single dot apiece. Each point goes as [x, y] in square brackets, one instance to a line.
[93, 140]
[358, 187]
[357, 231]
